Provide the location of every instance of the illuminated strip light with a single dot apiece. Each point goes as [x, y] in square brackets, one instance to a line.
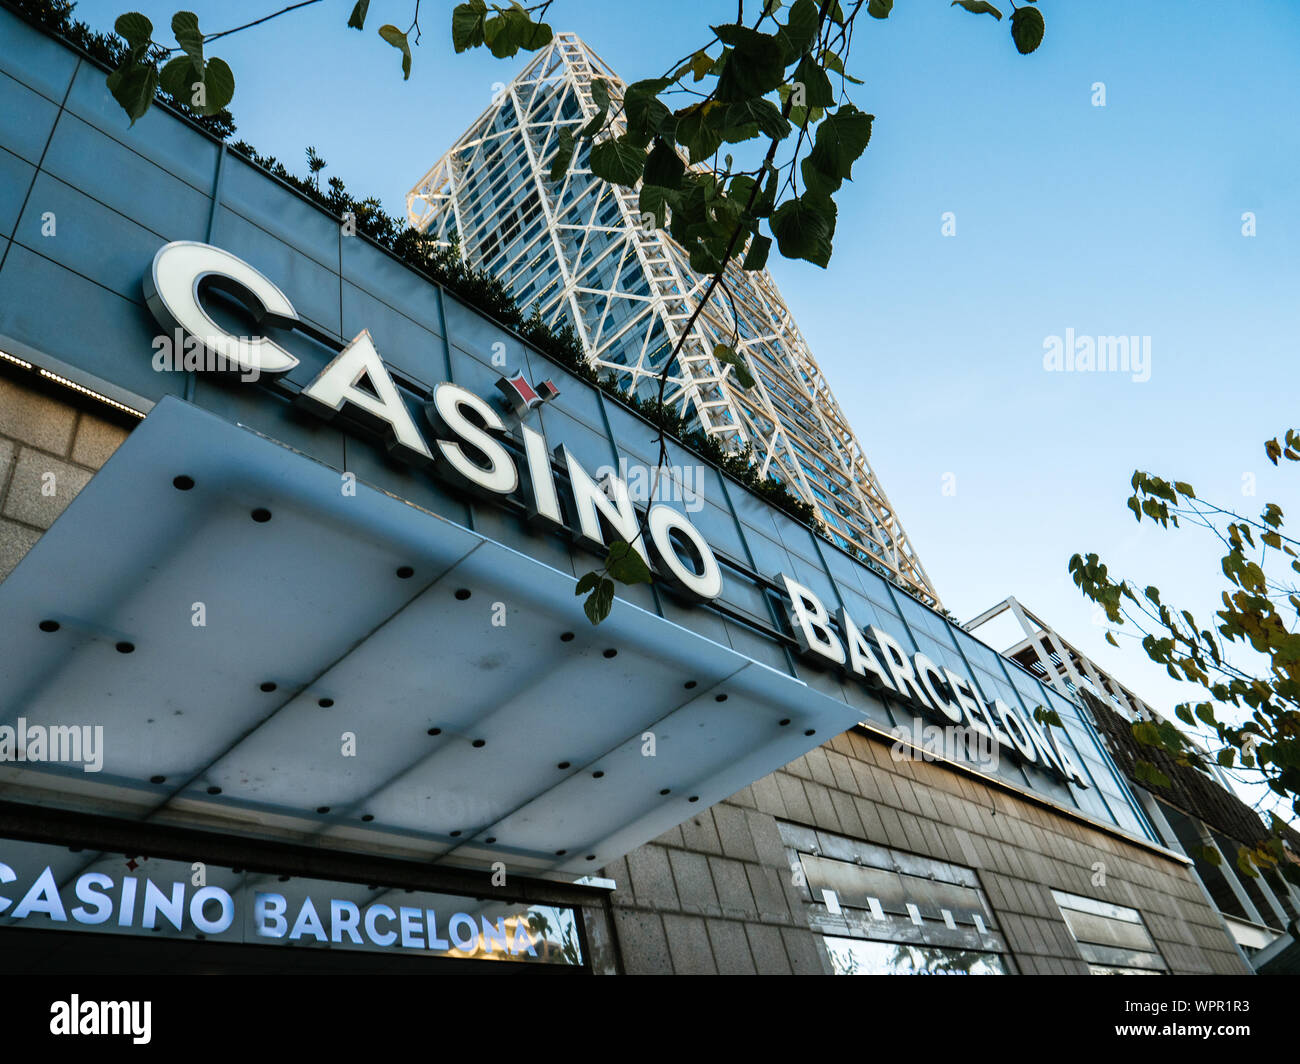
[15, 360]
[71, 384]
[93, 394]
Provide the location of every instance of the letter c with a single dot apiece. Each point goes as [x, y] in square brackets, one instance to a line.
[171, 288]
[380, 938]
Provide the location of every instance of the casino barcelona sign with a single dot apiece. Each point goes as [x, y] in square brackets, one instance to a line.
[462, 443]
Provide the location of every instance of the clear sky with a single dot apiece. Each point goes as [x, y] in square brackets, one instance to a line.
[1123, 219]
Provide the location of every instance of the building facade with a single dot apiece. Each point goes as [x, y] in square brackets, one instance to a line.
[581, 251]
[296, 678]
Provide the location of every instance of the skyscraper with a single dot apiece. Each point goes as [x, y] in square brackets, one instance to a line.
[580, 250]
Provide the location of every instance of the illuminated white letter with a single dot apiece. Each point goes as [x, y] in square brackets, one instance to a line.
[811, 623]
[337, 385]
[446, 412]
[608, 499]
[171, 288]
[664, 521]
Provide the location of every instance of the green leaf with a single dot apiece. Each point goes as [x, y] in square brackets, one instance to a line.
[1047, 716]
[802, 230]
[655, 200]
[831, 61]
[1110, 638]
[755, 66]
[593, 125]
[664, 166]
[1147, 773]
[1226, 757]
[1027, 29]
[512, 29]
[1146, 733]
[978, 7]
[1209, 854]
[817, 86]
[1185, 715]
[800, 31]
[357, 20]
[880, 8]
[728, 355]
[133, 86]
[646, 113]
[563, 154]
[756, 256]
[700, 134]
[762, 116]
[1245, 864]
[219, 86]
[842, 137]
[533, 36]
[599, 602]
[179, 77]
[625, 564]
[587, 582]
[467, 25]
[703, 261]
[185, 25]
[398, 40]
[134, 28]
[617, 160]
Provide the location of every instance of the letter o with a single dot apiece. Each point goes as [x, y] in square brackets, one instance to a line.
[1016, 730]
[462, 943]
[663, 521]
[201, 897]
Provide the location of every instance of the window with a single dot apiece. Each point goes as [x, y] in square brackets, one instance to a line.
[1112, 939]
[856, 956]
[885, 912]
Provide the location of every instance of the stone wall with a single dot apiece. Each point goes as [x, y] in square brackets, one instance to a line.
[49, 449]
[716, 893]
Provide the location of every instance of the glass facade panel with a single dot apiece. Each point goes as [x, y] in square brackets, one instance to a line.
[855, 956]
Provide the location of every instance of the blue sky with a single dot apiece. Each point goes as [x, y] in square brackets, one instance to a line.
[1117, 220]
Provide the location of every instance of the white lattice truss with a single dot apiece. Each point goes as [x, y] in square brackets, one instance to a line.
[628, 290]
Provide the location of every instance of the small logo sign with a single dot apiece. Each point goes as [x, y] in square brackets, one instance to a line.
[522, 396]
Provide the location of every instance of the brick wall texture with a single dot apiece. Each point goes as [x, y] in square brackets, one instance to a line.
[48, 452]
[716, 893]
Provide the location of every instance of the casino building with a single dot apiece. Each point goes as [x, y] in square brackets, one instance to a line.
[296, 678]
